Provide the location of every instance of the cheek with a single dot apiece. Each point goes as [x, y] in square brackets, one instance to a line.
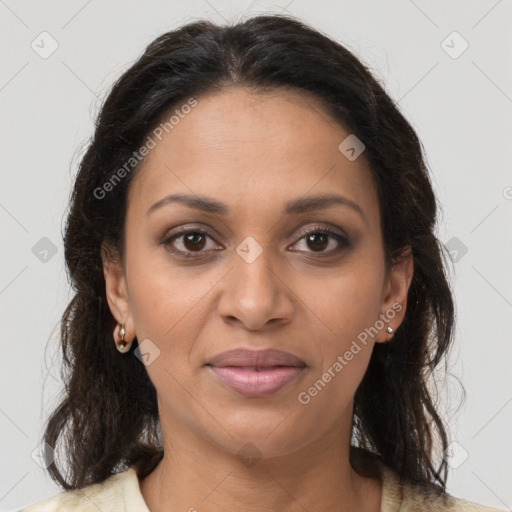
[346, 303]
[162, 296]
[342, 355]
[160, 303]
[168, 308]
[344, 309]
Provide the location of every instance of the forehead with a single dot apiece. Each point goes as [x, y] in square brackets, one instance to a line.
[237, 143]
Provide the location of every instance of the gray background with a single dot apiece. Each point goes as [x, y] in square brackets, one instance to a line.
[459, 103]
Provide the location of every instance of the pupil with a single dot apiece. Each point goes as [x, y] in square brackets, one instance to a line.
[191, 241]
[322, 245]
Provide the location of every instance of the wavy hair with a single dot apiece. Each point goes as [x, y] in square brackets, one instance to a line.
[107, 419]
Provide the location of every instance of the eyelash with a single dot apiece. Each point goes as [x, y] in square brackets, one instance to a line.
[342, 240]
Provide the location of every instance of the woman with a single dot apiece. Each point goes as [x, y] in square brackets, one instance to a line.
[260, 294]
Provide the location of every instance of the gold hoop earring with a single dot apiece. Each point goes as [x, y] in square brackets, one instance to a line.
[123, 346]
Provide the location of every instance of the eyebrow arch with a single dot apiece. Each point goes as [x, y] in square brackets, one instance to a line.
[294, 207]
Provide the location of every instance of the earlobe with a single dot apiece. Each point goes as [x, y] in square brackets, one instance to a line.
[394, 302]
[116, 289]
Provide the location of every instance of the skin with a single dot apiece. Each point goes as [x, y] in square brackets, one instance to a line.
[254, 152]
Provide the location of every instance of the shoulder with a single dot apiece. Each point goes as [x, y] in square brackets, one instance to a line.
[118, 493]
[415, 499]
[411, 498]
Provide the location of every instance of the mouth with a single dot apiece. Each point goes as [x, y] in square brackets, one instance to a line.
[256, 381]
[256, 373]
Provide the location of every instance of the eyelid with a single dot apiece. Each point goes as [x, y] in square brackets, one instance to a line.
[183, 230]
[302, 232]
[326, 227]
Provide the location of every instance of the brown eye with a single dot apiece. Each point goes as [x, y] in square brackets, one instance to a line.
[318, 240]
[187, 242]
[194, 241]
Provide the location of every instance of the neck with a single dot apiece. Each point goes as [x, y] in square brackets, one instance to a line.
[195, 475]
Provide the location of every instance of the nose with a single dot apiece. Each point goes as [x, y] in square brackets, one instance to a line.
[256, 293]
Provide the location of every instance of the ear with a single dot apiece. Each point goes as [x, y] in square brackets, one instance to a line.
[394, 295]
[116, 290]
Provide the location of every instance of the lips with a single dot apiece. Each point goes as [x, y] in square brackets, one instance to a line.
[256, 373]
[256, 359]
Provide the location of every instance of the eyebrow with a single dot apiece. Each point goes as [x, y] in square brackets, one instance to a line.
[294, 207]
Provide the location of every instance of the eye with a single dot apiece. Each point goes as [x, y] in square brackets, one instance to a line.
[190, 241]
[320, 239]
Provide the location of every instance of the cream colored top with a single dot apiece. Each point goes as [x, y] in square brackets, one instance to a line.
[121, 493]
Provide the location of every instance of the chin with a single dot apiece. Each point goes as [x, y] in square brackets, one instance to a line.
[251, 435]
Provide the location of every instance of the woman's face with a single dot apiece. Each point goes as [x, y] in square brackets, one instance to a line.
[255, 272]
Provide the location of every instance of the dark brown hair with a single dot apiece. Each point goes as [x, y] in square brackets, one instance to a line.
[108, 417]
